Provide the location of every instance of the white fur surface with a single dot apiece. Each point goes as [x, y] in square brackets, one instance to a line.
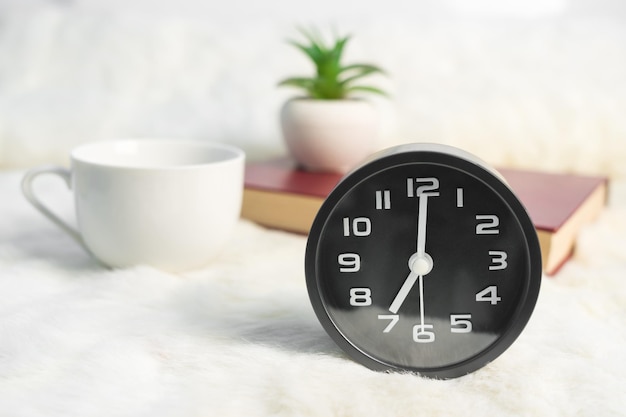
[240, 339]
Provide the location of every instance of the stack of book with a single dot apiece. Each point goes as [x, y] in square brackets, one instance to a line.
[279, 195]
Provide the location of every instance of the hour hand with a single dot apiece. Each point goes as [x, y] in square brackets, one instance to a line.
[404, 291]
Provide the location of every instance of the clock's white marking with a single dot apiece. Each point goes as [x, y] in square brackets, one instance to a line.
[409, 187]
[394, 320]
[360, 226]
[459, 197]
[498, 260]
[489, 225]
[489, 294]
[429, 188]
[383, 200]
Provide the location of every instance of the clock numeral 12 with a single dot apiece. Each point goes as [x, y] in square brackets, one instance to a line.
[428, 189]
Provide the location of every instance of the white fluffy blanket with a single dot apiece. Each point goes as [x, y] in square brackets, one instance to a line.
[240, 338]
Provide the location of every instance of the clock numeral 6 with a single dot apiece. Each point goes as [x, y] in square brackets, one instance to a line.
[359, 226]
[488, 224]
[349, 262]
[461, 323]
[422, 335]
[489, 294]
[360, 297]
[428, 189]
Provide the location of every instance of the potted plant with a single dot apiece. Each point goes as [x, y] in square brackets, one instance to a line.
[330, 128]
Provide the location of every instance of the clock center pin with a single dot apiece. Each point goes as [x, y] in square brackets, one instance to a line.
[420, 264]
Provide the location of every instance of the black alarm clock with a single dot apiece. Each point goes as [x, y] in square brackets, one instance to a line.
[423, 260]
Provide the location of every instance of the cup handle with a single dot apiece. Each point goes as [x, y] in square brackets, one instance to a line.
[27, 190]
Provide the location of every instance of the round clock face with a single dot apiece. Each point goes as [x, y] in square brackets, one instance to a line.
[423, 260]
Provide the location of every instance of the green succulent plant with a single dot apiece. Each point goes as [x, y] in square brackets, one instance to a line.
[332, 79]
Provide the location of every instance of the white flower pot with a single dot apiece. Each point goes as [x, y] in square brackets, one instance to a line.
[329, 135]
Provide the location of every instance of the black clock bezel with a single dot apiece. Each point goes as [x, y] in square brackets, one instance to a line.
[467, 163]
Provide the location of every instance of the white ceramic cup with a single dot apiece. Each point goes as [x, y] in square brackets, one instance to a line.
[170, 204]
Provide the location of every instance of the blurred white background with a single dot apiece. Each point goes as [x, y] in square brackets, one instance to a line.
[523, 83]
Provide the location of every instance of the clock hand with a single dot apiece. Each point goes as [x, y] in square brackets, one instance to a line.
[422, 260]
[420, 263]
[421, 288]
[421, 225]
[404, 291]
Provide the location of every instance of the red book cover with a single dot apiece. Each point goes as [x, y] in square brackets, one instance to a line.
[282, 176]
[551, 199]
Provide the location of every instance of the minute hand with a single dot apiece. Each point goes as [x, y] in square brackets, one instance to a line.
[421, 225]
[420, 262]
